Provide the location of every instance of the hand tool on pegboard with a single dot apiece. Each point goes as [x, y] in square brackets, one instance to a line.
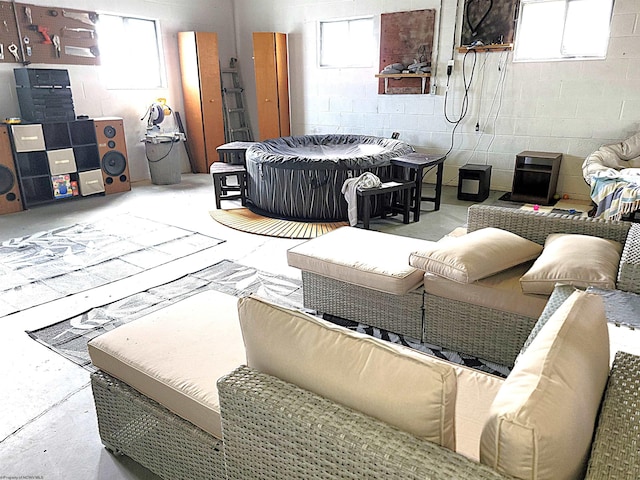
[55, 39]
[14, 50]
[88, 18]
[92, 33]
[44, 31]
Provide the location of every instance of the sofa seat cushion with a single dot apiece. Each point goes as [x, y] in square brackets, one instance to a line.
[395, 384]
[476, 255]
[571, 259]
[500, 292]
[175, 355]
[366, 258]
[542, 421]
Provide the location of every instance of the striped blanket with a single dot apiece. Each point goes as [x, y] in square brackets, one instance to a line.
[612, 172]
[615, 196]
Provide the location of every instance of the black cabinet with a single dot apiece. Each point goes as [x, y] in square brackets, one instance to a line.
[535, 177]
[57, 160]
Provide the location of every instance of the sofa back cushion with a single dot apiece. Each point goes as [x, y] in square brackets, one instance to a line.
[542, 420]
[476, 255]
[394, 384]
[571, 259]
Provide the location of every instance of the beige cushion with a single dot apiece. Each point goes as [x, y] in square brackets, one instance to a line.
[475, 394]
[366, 258]
[500, 292]
[392, 383]
[176, 354]
[542, 420]
[571, 259]
[476, 255]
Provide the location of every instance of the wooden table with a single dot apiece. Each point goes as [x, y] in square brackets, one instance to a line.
[413, 165]
[387, 188]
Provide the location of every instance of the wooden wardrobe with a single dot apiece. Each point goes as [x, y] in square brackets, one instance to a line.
[202, 92]
[272, 84]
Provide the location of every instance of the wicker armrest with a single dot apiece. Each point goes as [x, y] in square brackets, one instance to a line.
[614, 454]
[273, 429]
[629, 271]
[536, 226]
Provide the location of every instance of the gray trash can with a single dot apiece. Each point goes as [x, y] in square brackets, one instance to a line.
[162, 152]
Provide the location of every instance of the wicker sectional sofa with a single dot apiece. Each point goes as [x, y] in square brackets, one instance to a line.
[275, 424]
[478, 327]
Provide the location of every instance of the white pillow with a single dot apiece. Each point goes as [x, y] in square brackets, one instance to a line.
[571, 259]
[542, 420]
[476, 255]
[394, 384]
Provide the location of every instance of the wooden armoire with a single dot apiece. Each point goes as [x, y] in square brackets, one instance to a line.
[272, 84]
[202, 92]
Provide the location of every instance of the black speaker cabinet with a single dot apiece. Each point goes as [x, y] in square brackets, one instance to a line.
[113, 154]
[10, 201]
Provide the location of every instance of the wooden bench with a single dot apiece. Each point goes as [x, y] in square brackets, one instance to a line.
[395, 196]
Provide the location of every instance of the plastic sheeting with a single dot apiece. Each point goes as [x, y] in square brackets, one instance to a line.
[301, 177]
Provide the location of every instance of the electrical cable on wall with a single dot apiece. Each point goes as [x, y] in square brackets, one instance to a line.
[464, 108]
[499, 88]
[482, 71]
[497, 95]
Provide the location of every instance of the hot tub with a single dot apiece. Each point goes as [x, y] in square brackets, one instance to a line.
[300, 178]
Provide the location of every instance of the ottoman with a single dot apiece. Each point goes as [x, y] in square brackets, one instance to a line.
[363, 276]
[155, 391]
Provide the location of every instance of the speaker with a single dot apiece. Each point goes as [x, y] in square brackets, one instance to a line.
[10, 201]
[113, 154]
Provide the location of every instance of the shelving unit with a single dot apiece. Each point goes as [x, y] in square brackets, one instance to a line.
[57, 161]
[387, 76]
[494, 47]
[535, 177]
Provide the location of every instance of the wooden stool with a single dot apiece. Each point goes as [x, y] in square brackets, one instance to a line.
[233, 152]
[387, 190]
[221, 172]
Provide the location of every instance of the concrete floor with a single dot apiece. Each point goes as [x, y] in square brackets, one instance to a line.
[48, 426]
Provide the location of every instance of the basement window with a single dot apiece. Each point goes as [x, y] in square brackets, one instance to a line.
[346, 43]
[563, 29]
[130, 52]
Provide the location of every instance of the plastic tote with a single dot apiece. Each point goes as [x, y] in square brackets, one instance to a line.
[163, 156]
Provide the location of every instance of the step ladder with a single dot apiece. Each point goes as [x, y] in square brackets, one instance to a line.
[236, 119]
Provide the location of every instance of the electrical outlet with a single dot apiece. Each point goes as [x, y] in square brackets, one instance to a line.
[434, 89]
[450, 65]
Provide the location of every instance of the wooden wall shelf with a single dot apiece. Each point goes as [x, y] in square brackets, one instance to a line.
[497, 47]
[387, 76]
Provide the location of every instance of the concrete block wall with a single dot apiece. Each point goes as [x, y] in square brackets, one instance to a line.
[571, 107]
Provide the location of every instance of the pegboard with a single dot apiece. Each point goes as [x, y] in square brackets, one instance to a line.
[33, 29]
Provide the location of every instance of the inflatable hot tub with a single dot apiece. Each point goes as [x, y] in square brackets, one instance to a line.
[300, 178]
